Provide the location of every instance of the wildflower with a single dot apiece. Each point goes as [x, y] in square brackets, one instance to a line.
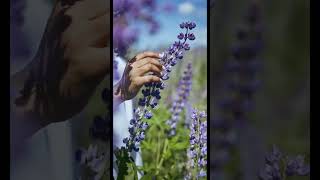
[123, 37]
[296, 166]
[240, 86]
[183, 91]
[151, 93]
[197, 154]
[292, 166]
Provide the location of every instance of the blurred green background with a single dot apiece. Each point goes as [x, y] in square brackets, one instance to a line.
[282, 111]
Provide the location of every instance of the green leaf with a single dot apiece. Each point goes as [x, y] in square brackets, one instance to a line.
[180, 146]
[135, 171]
[147, 177]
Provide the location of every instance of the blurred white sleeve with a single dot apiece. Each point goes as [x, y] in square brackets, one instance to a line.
[122, 116]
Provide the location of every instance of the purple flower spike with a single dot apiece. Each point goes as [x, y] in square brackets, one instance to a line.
[151, 92]
[292, 166]
[197, 154]
[183, 91]
[239, 87]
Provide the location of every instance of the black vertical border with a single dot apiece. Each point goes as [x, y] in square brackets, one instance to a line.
[111, 91]
[313, 55]
[208, 88]
[6, 123]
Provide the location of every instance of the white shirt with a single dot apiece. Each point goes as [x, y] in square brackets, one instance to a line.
[121, 118]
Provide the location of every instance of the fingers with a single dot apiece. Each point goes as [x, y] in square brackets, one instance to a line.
[146, 69]
[145, 61]
[147, 79]
[147, 54]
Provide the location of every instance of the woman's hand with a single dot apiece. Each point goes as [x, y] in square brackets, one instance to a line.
[143, 68]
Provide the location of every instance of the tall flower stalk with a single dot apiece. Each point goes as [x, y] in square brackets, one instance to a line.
[197, 153]
[183, 91]
[240, 86]
[151, 91]
[151, 95]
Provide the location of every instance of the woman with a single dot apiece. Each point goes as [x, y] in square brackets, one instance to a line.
[71, 61]
[134, 76]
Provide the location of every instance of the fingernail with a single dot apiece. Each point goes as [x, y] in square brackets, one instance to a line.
[163, 67]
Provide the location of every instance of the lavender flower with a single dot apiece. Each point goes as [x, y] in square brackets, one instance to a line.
[151, 95]
[291, 166]
[136, 130]
[296, 166]
[126, 10]
[95, 161]
[183, 91]
[197, 153]
[123, 37]
[240, 85]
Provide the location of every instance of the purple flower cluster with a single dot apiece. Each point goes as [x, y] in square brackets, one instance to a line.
[137, 131]
[243, 67]
[133, 7]
[151, 92]
[95, 161]
[136, 10]
[183, 91]
[292, 166]
[123, 37]
[240, 85]
[197, 153]
[174, 54]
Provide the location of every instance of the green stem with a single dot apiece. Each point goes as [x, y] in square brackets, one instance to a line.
[284, 162]
[164, 150]
[158, 153]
